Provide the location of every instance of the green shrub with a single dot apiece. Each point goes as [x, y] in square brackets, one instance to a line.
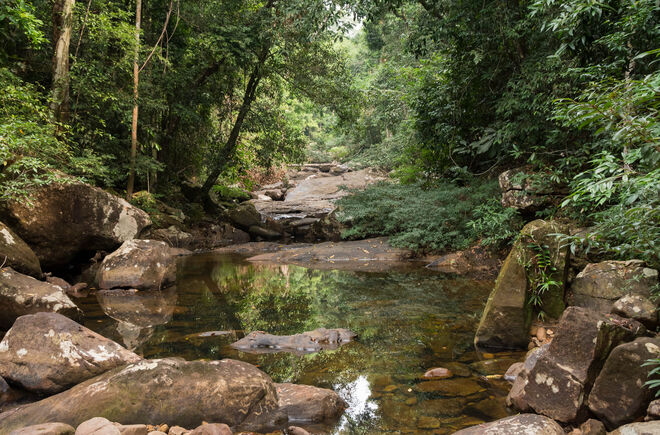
[444, 217]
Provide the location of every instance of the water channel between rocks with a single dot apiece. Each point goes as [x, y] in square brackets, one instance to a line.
[407, 322]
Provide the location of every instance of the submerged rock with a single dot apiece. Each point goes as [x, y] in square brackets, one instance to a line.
[528, 424]
[307, 342]
[67, 219]
[173, 391]
[619, 395]
[599, 285]
[21, 294]
[307, 404]
[15, 253]
[48, 353]
[140, 264]
[558, 383]
[508, 314]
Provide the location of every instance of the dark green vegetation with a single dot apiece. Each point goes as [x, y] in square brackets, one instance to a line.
[444, 93]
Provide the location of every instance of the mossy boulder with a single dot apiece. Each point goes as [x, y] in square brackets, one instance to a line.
[15, 253]
[536, 257]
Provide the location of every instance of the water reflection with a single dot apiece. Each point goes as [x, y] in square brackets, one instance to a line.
[407, 322]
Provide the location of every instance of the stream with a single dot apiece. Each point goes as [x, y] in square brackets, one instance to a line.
[407, 321]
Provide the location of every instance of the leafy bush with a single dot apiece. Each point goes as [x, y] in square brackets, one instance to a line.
[444, 217]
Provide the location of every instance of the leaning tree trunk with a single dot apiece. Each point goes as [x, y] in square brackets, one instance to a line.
[62, 27]
[136, 81]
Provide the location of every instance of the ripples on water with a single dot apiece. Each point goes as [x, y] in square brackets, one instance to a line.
[407, 322]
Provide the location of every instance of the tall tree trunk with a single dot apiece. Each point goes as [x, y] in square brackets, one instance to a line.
[62, 27]
[136, 82]
[227, 151]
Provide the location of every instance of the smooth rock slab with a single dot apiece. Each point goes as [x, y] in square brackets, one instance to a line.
[21, 294]
[307, 404]
[68, 219]
[45, 429]
[307, 342]
[527, 424]
[139, 264]
[15, 253]
[619, 395]
[168, 390]
[48, 353]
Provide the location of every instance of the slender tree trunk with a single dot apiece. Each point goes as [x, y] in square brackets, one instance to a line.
[227, 151]
[62, 27]
[136, 82]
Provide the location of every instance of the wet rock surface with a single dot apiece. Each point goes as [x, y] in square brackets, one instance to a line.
[558, 383]
[307, 342]
[67, 219]
[15, 253]
[599, 285]
[528, 424]
[619, 395]
[307, 404]
[48, 353]
[21, 294]
[228, 391]
[140, 264]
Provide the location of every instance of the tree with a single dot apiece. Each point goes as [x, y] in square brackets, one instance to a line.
[62, 27]
[136, 83]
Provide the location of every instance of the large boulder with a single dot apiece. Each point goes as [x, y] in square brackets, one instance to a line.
[638, 308]
[599, 285]
[527, 424]
[140, 264]
[47, 353]
[619, 395]
[63, 220]
[521, 193]
[647, 428]
[307, 342]
[244, 215]
[15, 253]
[508, 314]
[45, 429]
[21, 294]
[307, 404]
[562, 377]
[170, 391]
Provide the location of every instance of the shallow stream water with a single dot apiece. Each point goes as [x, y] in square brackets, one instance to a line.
[407, 321]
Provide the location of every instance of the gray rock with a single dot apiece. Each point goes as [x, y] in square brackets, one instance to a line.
[599, 285]
[528, 424]
[514, 370]
[307, 342]
[638, 308]
[557, 385]
[619, 395]
[173, 236]
[15, 253]
[140, 264]
[63, 220]
[45, 429]
[307, 404]
[48, 353]
[507, 317]
[648, 428]
[97, 426]
[22, 294]
[229, 391]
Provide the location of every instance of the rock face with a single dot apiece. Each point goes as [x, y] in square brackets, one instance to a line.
[619, 395]
[48, 353]
[140, 264]
[599, 285]
[15, 253]
[528, 424]
[516, 398]
[638, 308]
[22, 294]
[519, 192]
[307, 342]
[172, 391]
[507, 317]
[562, 377]
[66, 219]
[45, 429]
[307, 404]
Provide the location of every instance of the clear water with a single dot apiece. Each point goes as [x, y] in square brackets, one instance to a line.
[407, 322]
